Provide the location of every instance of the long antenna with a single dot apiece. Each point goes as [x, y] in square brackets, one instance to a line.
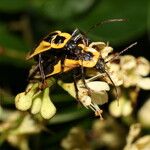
[117, 96]
[105, 21]
[118, 54]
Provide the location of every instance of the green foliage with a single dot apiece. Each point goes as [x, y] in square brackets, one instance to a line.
[14, 6]
[23, 23]
[45, 16]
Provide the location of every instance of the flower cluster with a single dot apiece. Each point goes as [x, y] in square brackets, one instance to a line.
[37, 101]
[90, 98]
[16, 127]
[106, 134]
[101, 134]
[132, 143]
[132, 71]
[127, 72]
[132, 74]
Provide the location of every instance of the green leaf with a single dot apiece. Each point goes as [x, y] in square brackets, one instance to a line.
[64, 9]
[13, 48]
[69, 115]
[10, 41]
[8, 6]
[116, 33]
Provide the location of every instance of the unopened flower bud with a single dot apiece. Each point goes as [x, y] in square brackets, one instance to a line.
[48, 109]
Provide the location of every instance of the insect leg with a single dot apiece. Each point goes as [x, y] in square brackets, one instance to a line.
[117, 96]
[41, 68]
[83, 80]
[33, 72]
[78, 34]
[75, 85]
[62, 62]
[44, 84]
[75, 32]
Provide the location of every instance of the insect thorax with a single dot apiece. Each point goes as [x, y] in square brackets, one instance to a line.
[101, 66]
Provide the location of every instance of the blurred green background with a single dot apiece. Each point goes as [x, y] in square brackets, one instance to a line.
[23, 23]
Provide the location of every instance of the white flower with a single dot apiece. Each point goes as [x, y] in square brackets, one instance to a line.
[16, 127]
[142, 143]
[144, 83]
[143, 66]
[90, 98]
[132, 71]
[143, 114]
[106, 51]
[98, 91]
[123, 109]
[128, 62]
[115, 74]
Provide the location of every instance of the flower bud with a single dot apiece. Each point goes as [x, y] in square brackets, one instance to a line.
[36, 106]
[23, 101]
[48, 109]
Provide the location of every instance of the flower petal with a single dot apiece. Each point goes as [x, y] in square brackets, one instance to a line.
[106, 51]
[98, 86]
[69, 87]
[143, 67]
[116, 110]
[143, 114]
[127, 109]
[86, 101]
[99, 98]
[128, 62]
[144, 83]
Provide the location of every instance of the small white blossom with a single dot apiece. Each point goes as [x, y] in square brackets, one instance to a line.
[144, 83]
[143, 114]
[143, 66]
[95, 94]
[106, 51]
[128, 62]
[123, 109]
[130, 72]
[142, 143]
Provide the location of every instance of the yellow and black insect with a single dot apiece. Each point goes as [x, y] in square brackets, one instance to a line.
[55, 40]
[88, 58]
[60, 52]
[58, 46]
[61, 45]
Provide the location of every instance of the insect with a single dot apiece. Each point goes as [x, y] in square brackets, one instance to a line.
[58, 41]
[62, 45]
[59, 45]
[60, 52]
[88, 58]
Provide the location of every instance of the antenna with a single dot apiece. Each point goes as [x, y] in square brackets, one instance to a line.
[117, 96]
[120, 53]
[105, 21]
